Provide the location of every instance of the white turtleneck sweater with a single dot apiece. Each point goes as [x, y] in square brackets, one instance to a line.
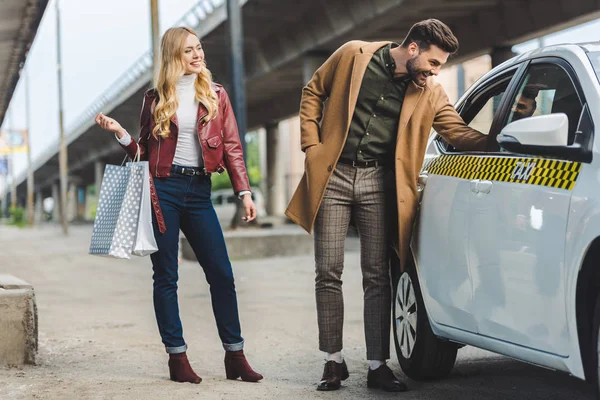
[188, 152]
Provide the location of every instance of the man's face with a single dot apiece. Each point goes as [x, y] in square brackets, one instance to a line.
[524, 108]
[425, 63]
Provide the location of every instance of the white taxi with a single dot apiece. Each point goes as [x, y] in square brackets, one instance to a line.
[505, 254]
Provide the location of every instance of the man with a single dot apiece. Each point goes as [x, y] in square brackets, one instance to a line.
[382, 104]
[526, 105]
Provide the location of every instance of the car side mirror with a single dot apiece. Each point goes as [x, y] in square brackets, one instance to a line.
[542, 135]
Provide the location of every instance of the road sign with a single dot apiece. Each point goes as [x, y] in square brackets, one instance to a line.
[13, 142]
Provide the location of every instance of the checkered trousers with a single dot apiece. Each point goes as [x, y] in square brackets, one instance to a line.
[357, 194]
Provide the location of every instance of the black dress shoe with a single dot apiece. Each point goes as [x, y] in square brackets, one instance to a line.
[383, 378]
[333, 375]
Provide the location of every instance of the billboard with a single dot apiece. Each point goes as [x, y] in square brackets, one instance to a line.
[14, 141]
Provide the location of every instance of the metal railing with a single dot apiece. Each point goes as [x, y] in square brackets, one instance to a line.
[141, 66]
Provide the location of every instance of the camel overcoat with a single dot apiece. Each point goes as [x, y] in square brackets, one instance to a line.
[326, 110]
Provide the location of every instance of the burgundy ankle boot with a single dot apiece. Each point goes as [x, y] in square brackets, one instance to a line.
[181, 370]
[236, 366]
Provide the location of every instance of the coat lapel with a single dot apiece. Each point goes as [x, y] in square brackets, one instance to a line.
[361, 61]
[411, 99]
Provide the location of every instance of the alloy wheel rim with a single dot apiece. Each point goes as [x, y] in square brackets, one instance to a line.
[406, 316]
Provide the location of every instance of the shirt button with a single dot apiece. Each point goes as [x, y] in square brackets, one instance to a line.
[360, 151]
[367, 133]
[381, 97]
[374, 116]
[329, 168]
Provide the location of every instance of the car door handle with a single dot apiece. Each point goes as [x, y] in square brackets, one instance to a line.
[484, 186]
[474, 187]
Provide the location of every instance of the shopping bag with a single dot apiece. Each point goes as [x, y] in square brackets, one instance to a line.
[123, 223]
[145, 243]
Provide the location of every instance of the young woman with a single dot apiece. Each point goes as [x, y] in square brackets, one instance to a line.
[188, 131]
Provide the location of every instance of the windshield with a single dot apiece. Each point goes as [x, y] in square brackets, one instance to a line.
[594, 57]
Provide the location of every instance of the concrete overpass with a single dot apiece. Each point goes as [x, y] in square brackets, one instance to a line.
[19, 21]
[285, 41]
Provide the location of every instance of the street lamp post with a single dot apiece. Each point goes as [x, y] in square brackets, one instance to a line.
[155, 41]
[236, 67]
[238, 83]
[62, 155]
[30, 183]
[13, 182]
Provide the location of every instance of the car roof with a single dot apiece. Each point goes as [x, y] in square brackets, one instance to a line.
[549, 51]
[556, 50]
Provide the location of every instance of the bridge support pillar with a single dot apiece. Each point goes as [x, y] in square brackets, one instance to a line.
[310, 64]
[98, 174]
[56, 207]
[38, 208]
[500, 54]
[275, 172]
[71, 202]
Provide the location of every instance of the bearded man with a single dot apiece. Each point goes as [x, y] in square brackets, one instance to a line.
[369, 143]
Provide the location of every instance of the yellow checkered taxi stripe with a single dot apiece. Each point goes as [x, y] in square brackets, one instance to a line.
[531, 171]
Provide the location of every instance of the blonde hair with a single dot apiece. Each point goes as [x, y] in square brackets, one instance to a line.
[171, 69]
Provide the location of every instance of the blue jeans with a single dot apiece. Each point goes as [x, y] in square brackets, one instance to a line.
[186, 205]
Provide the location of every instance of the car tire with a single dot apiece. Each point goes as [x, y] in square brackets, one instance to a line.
[422, 355]
[596, 347]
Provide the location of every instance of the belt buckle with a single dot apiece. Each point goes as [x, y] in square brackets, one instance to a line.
[188, 171]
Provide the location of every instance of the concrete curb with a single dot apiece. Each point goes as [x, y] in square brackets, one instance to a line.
[245, 244]
[18, 322]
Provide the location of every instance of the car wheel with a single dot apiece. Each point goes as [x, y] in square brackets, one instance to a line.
[421, 354]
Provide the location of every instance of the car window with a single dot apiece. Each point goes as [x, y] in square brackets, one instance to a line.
[481, 115]
[547, 89]
[479, 109]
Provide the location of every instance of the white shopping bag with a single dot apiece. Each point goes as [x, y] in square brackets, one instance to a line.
[145, 243]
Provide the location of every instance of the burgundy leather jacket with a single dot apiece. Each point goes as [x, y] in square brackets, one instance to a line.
[219, 138]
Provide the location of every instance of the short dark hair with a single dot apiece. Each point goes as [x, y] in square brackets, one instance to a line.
[432, 32]
[531, 91]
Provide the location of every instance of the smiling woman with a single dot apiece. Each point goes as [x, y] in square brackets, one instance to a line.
[188, 131]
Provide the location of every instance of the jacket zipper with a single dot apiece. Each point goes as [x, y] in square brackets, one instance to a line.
[157, 158]
[201, 148]
[221, 168]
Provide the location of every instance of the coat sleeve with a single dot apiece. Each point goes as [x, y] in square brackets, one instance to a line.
[314, 95]
[233, 154]
[145, 118]
[450, 125]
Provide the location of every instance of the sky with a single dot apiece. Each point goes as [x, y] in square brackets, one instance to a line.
[100, 41]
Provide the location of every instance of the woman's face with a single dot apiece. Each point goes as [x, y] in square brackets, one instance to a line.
[193, 55]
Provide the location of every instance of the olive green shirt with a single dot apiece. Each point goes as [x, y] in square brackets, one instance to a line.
[374, 125]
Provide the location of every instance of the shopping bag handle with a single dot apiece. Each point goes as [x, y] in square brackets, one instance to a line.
[136, 158]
